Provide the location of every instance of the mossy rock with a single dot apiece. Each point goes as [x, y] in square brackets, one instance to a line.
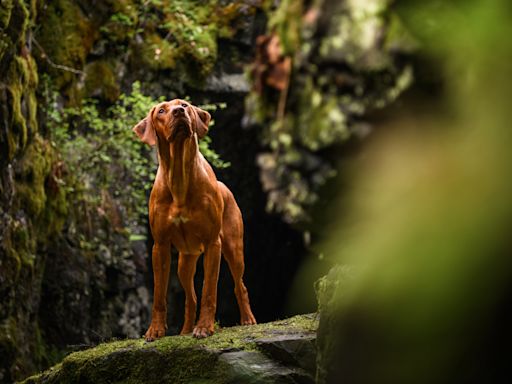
[19, 79]
[65, 37]
[230, 355]
[329, 289]
[100, 80]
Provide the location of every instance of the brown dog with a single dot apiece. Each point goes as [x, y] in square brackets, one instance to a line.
[189, 208]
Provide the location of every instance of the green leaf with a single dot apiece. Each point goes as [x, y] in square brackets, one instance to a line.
[138, 237]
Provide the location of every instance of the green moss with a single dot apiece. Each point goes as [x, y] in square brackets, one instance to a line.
[21, 82]
[8, 334]
[121, 26]
[31, 105]
[155, 53]
[5, 13]
[286, 22]
[18, 22]
[27, 69]
[239, 337]
[398, 37]
[47, 209]
[100, 80]
[26, 209]
[337, 77]
[35, 166]
[23, 243]
[180, 34]
[176, 359]
[319, 122]
[31, 197]
[8, 346]
[11, 265]
[65, 23]
[5, 44]
[39, 346]
[14, 23]
[57, 205]
[18, 135]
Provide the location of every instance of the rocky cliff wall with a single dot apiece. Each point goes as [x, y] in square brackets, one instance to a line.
[71, 274]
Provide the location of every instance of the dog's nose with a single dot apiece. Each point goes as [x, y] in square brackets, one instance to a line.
[178, 111]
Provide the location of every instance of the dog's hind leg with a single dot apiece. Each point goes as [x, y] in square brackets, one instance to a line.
[234, 255]
[232, 235]
[186, 271]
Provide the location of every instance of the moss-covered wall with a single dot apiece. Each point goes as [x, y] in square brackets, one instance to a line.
[31, 212]
[323, 67]
[59, 245]
[97, 49]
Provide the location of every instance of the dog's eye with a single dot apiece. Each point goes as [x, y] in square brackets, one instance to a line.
[184, 105]
[161, 110]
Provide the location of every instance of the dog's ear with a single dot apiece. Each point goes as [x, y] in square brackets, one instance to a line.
[202, 121]
[145, 130]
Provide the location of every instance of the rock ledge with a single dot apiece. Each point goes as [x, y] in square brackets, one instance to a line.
[282, 351]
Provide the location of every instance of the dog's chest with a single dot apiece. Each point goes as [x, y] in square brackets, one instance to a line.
[178, 219]
[189, 229]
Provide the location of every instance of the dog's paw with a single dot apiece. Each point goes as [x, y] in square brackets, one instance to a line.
[248, 319]
[154, 332]
[186, 330]
[202, 332]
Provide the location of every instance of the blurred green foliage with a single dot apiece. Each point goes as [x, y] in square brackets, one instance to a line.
[349, 58]
[428, 218]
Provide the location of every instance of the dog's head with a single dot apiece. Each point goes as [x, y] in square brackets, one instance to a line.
[172, 120]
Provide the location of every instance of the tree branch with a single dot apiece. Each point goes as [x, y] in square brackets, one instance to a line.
[53, 64]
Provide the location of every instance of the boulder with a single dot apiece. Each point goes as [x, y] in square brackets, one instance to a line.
[276, 352]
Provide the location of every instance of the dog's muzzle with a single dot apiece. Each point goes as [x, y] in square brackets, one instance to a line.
[179, 127]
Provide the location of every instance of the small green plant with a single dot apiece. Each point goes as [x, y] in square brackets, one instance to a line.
[103, 156]
[204, 145]
[175, 32]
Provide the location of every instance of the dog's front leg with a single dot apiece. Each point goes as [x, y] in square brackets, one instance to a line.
[211, 265]
[186, 272]
[161, 266]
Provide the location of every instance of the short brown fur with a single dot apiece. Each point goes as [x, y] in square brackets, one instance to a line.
[191, 210]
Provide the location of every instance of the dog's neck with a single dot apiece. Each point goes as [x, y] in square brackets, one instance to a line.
[179, 162]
